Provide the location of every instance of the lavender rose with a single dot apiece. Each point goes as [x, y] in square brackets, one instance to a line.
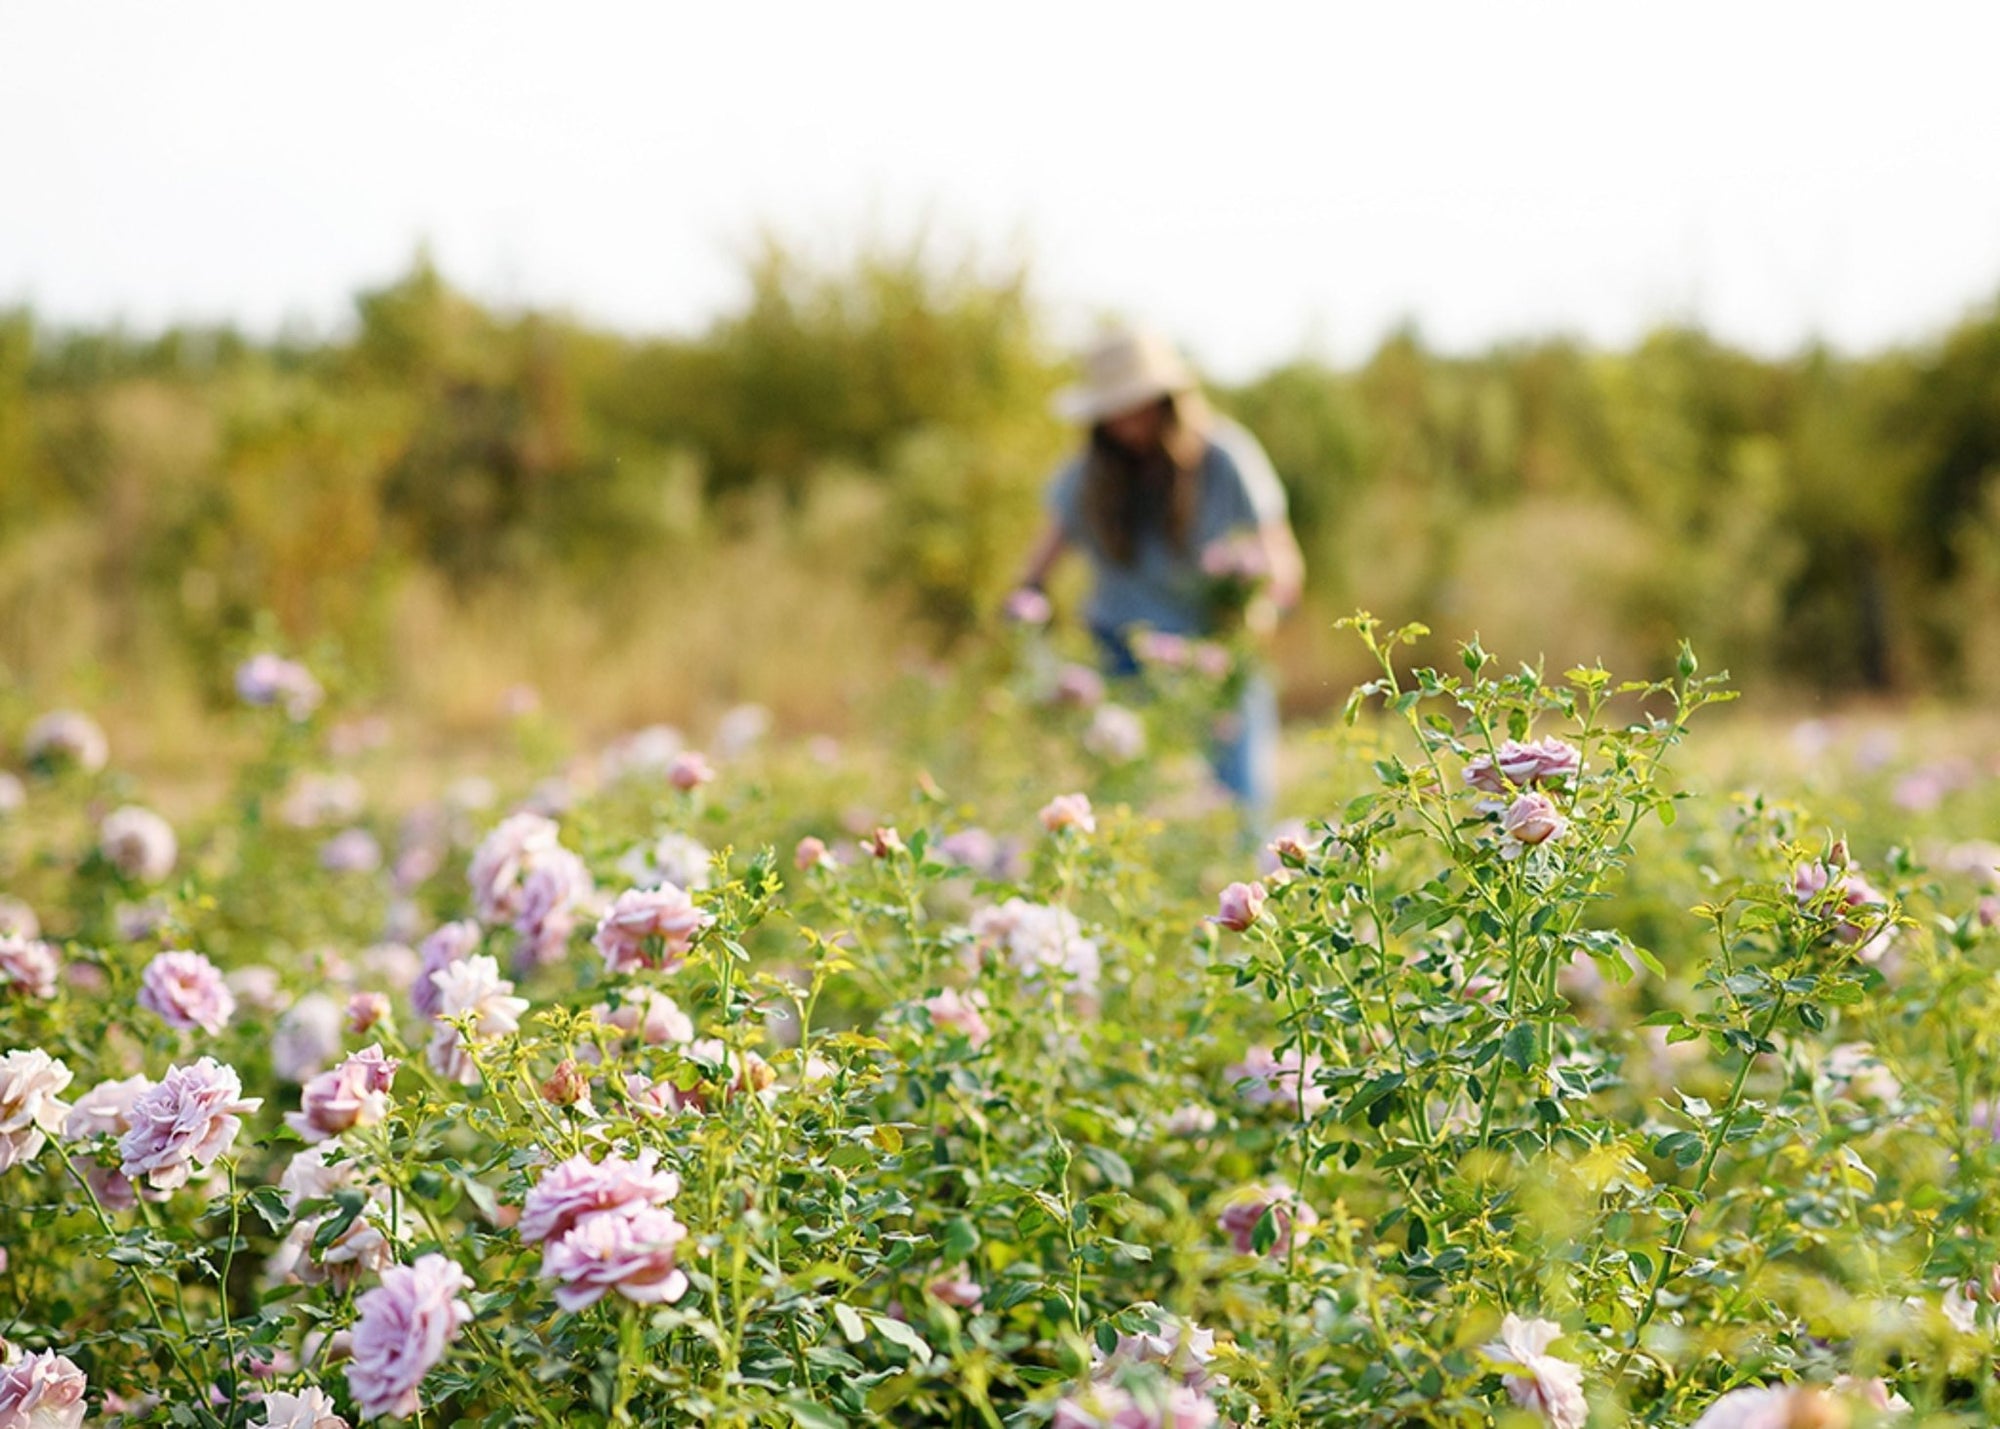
[405, 1326]
[573, 1189]
[649, 928]
[356, 1093]
[187, 992]
[184, 1123]
[629, 1250]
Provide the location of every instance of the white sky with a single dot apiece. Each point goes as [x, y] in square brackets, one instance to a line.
[1256, 178]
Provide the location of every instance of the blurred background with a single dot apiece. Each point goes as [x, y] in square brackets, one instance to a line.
[660, 361]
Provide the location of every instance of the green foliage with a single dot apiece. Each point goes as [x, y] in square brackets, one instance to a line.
[1705, 1089]
[880, 430]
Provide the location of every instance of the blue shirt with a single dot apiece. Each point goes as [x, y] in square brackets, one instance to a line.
[1164, 587]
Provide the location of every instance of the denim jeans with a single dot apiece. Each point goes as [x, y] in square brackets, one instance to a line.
[1244, 754]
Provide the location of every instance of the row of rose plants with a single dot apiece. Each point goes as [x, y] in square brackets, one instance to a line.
[678, 1096]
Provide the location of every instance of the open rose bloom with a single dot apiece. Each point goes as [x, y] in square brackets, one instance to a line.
[356, 1093]
[406, 1325]
[187, 992]
[649, 928]
[41, 1391]
[182, 1124]
[28, 966]
[1535, 1379]
[30, 1113]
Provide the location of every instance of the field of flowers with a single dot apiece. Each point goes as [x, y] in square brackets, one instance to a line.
[1558, 1067]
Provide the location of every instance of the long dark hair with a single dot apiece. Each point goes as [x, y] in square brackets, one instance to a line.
[1125, 493]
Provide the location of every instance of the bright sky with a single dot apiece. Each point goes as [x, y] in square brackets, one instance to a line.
[1255, 178]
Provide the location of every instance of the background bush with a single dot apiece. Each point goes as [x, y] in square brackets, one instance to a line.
[843, 471]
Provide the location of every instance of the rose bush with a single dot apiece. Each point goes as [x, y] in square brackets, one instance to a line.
[1515, 1083]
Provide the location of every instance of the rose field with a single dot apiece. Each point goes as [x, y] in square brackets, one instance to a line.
[1576, 1052]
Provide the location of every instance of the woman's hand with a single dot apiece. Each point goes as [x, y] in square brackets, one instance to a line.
[1286, 564]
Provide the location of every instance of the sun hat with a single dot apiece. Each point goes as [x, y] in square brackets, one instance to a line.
[1124, 369]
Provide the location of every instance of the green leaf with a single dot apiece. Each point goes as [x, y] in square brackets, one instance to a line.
[1110, 1165]
[898, 1333]
[269, 1204]
[1264, 1234]
[808, 1415]
[849, 1320]
[1518, 1046]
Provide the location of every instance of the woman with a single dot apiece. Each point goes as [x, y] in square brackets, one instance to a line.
[1162, 495]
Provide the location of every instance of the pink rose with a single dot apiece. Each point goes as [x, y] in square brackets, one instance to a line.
[654, 1016]
[553, 891]
[187, 992]
[29, 1110]
[17, 919]
[351, 851]
[884, 842]
[952, 1011]
[810, 854]
[649, 928]
[1038, 940]
[1779, 1407]
[1241, 905]
[502, 860]
[27, 966]
[471, 989]
[106, 1110]
[1180, 1347]
[1532, 819]
[65, 737]
[1875, 1393]
[1069, 811]
[1212, 661]
[41, 1391]
[405, 1326]
[1275, 1081]
[184, 1122]
[364, 1010]
[1842, 887]
[573, 1189]
[1103, 1405]
[138, 843]
[629, 1250]
[267, 679]
[311, 1409]
[958, 1289]
[1027, 606]
[1158, 647]
[1549, 1386]
[1191, 1119]
[449, 944]
[689, 771]
[1246, 1208]
[1079, 685]
[1519, 766]
[356, 1093]
[1116, 735]
[307, 1038]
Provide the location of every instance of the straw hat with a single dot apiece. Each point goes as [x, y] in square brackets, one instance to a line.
[1122, 370]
